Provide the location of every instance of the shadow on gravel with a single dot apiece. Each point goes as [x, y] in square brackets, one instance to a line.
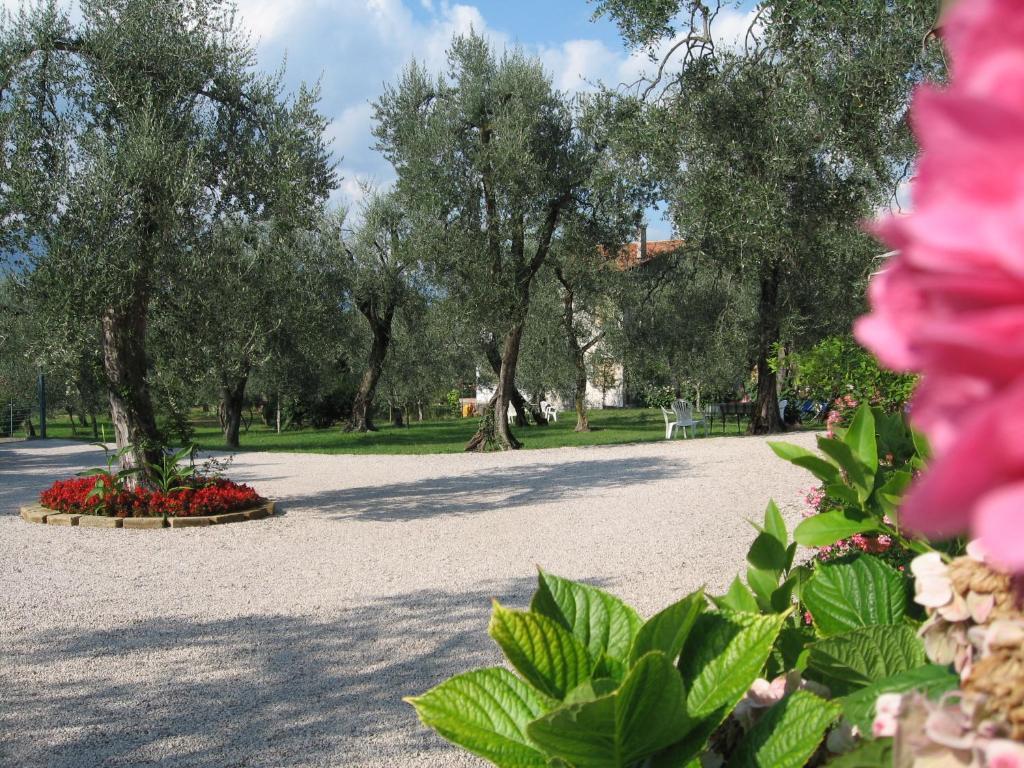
[29, 467]
[487, 490]
[249, 691]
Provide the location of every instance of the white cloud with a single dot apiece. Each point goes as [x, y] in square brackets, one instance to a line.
[730, 27]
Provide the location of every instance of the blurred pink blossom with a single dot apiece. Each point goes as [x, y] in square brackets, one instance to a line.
[951, 304]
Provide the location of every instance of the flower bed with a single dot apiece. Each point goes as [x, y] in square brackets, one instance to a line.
[203, 496]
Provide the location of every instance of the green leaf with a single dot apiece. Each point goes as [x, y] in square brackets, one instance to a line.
[826, 528]
[890, 495]
[869, 754]
[862, 440]
[787, 734]
[932, 680]
[764, 584]
[843, 457]
[645, 715]
[738, 598]
[543, 651]
[781, 599]
[774, 524]
[591, 689]
[724, 655]
[861, 593]
[667, 630]
[486, 712]
[602, 622]
[791, 554]
[843, 492]
[767, 553]
[801, 457]
[863, 656]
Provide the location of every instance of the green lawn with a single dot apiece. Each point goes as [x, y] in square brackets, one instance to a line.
[609, 427]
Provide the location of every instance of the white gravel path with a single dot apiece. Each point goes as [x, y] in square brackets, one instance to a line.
[290, 641]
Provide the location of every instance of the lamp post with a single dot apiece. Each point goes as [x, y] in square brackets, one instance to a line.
[42, 403]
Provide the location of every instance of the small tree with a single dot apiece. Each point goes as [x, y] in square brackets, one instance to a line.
[604, 372]
[378, 265]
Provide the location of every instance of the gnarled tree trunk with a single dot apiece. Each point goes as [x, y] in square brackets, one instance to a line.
[766, 419]
[124, 363]
[233, 399]
[519, 403]
[494, 432]
[362, 407]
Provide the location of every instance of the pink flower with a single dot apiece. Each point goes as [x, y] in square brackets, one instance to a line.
[1003, 753]
[951, 304]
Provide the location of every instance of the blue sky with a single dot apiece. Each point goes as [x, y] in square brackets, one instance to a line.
[354, 46]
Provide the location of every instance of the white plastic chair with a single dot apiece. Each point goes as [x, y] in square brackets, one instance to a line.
[782, 409]
[549, 411]
[681, 415]
[511, 414]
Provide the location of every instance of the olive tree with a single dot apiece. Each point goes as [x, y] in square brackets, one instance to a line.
[489, 159]
[379, 264]
[126, 135]
[774, 149]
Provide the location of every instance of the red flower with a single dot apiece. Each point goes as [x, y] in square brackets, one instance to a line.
[207, 497]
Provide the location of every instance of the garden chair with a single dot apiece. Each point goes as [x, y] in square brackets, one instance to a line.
[681, 415]
[782, 409]
[549, 411]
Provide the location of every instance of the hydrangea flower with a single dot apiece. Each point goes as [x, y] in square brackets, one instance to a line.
[951, 304]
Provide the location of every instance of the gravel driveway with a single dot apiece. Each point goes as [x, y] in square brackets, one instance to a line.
[290, 641]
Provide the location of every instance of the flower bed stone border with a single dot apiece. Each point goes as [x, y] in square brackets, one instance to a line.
[34, 513]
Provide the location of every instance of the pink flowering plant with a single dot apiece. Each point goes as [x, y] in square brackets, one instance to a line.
[864, 471]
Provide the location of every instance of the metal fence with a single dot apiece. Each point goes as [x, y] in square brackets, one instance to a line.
[24, 416]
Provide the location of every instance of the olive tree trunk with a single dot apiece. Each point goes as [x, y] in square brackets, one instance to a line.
[519, 403]
[233, 400]
[124, 364]
[362, 407]
[578, 352]
[494, 432]
[766, 419]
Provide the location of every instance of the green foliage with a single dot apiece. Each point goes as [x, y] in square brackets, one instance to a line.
[861, 593]
[542, 651]
[486, 711]
[930, 679]
[170, 474]
[599, 687]
[604, 624]
[869, 754]
[838, 366]
[132, 130]
[668, 630]
[452, 400]
[865, 655]
[864, 471]
[111, 479]
[771, 578]
[645, 714]
[788, 734]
